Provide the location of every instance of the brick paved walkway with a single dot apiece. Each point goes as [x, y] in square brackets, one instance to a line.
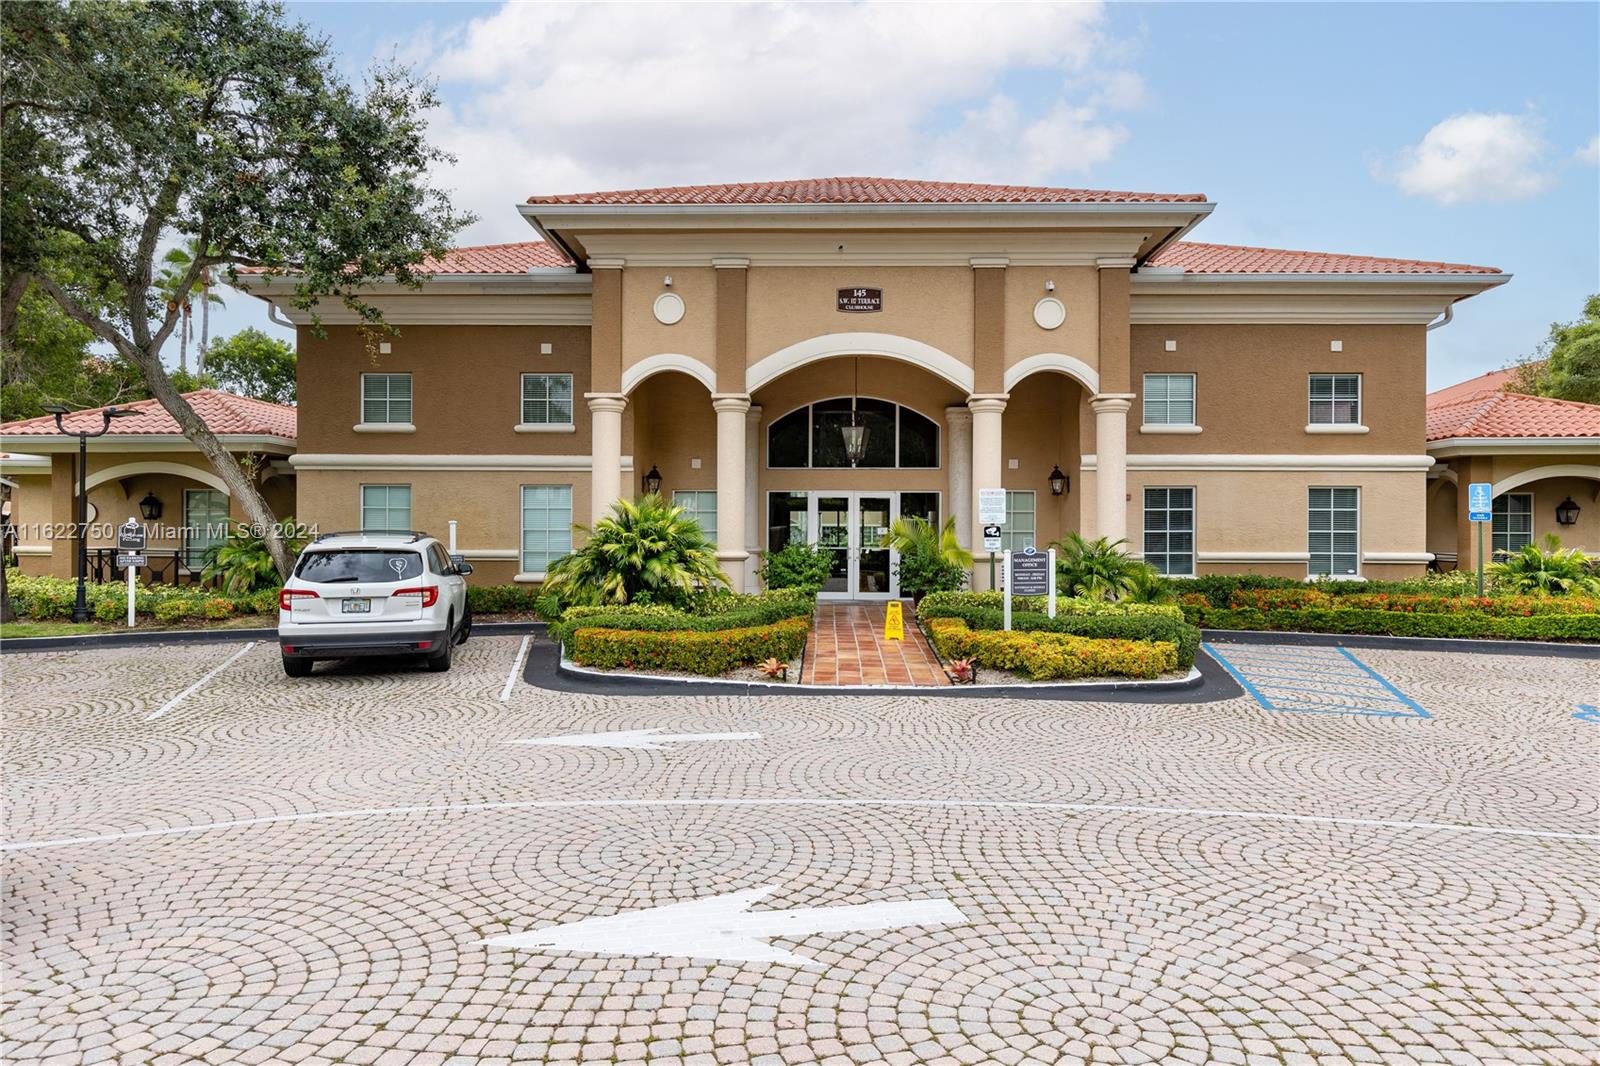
[847, 648]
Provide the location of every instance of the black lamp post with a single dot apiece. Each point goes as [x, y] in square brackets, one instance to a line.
[1567, 512]
[1058, 481]
[80, 608]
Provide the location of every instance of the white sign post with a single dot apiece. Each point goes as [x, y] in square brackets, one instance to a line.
[1051, 555]
[1480, 512]
[991, 514]
[1005, 597]
[130, 541]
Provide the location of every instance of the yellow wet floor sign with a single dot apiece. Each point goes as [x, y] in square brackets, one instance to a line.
[894, 626]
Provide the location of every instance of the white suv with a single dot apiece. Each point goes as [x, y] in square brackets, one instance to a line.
[373, 593]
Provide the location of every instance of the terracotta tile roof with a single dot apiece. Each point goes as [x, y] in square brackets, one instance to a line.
[1196, 257]
[518, 258]
[223, 412]
[1482, 385]
[864, 191]
[1511, 414]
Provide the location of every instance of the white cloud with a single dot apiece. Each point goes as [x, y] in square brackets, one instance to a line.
[1589, 153]
[558, 98]
[1476, 157]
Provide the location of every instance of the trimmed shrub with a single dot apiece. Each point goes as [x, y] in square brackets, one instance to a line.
[797, 565]
[502, 599]
[175, 610]
[739, 613]
[1043, 656]
[109, 610]
[1145, 624]
[1457, 624]
[1499, 606]
[704, 652]
[1074, 605]
[216, 607]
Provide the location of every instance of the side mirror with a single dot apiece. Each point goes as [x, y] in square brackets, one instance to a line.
[461, 565]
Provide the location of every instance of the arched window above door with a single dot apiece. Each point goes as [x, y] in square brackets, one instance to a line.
[810, 436]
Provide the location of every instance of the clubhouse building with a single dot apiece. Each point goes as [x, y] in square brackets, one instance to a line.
[810, 359]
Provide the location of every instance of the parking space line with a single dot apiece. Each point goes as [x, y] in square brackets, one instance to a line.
[516, 668]
[1323, 682]
[917, 804]
[192, 689]
[1587, 713]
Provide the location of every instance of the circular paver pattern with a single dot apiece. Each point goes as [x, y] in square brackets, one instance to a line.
[1137, 883]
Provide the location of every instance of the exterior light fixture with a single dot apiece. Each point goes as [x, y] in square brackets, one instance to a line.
[150, 507]
[652, 481]
[1567, 512]
[1058, 481]
[667, 281]
[80, 606]
[1050, 286]
[855, 434]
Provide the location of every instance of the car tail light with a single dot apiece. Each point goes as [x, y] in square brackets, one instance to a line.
[286, 597]
[429, 593]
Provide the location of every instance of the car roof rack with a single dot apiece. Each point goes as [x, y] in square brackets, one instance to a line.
[412, 534]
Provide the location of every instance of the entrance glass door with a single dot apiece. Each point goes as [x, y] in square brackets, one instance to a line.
[851, 526]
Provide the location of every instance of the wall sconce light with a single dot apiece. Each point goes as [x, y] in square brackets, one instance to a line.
[1058, 481]
[652, 481]
[1567, 512]
[1050, 286]
[667, 281]
[150, 507]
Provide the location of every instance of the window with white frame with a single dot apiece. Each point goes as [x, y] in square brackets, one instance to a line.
[1021, 521]
[1511, 529]
[385, 506]
[1169, 399]
[700, 505]
[546, 525]
[1335, 400]
[385, 398]
[1169, 530]
[1334, 541]
[547, 399]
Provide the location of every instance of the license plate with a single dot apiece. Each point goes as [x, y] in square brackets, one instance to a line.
[355, 605]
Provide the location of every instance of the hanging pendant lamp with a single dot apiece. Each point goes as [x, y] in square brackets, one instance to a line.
[855, 434]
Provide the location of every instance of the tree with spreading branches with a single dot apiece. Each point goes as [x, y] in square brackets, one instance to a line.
[224, 126]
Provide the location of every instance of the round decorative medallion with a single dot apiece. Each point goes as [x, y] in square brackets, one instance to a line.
[1049, 312]
[669, 308]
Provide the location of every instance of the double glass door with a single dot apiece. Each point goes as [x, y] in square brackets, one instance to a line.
[851, 526]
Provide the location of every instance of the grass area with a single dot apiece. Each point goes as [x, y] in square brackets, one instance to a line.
[71, 629]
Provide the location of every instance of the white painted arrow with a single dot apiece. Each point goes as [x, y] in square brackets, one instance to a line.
[722, 927]
[649, 739]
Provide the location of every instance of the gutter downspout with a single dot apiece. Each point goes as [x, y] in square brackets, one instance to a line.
[277, 316]
[1444, 319]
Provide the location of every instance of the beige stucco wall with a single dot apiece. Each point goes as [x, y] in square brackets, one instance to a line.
[466, 389]
[487, 505]
[1038, 430]
[1445, 504]
[694, 335]
[932, 304]
[673, 426]
[1251, 387]
[1078, 289]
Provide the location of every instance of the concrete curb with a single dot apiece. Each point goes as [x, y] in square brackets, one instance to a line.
[151, 638]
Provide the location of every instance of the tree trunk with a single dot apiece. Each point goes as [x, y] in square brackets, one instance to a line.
[183, 341]
[6, 612]
[205, 325]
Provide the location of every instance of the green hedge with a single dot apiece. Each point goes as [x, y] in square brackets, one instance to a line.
[1402, 623]
[1043, 656]
[40, 598]
[1073, 605]
[715, 614]
[706, 652]
[1130, 626]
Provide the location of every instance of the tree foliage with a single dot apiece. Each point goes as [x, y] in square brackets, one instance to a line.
[1566, 365]
[251, 363]
[127, 126]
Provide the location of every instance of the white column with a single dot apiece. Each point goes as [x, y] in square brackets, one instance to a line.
[731, 487]
[958, 463]
[605, 434]
[988, 465]
[1111, 463]
[752, 497]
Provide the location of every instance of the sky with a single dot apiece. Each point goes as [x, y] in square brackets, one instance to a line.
[1458, 132]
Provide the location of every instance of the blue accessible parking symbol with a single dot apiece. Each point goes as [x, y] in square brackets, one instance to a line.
[1313, 680]
[1480, 502]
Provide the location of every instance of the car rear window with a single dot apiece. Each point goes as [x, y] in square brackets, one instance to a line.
[358, 564]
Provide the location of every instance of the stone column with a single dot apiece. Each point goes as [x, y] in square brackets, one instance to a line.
[1111, 469]
[732, 488]
[63, 513]
[958, 462]
[988, 466]
[754, 541]
[1467, 471]
[605, 472]
[605, 330]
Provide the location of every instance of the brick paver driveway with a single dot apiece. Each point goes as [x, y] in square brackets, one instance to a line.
[304, 871]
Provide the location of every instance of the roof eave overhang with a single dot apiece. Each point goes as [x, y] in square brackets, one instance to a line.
[1450, 447]
[155, 442]
[1462, 285]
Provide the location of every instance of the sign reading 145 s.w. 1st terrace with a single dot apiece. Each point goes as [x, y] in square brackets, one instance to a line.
[858, 301]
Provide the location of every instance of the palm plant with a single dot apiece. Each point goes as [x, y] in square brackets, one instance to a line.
[170, 281]
[1098, 569]
[1547, 570]
[914, 535]
[243, 562]
[645, 551]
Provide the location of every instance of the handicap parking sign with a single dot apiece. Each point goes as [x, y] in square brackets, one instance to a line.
[1480, 501]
